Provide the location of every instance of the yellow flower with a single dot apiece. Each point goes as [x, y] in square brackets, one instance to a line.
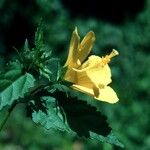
[93, 75]
[78, 52]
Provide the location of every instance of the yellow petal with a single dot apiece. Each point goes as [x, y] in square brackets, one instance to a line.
[82, 79]
[92, 71]
[86, 46]
[70, 75]
[84, 89]
[73, 50]
[97, 73]
[107, 94]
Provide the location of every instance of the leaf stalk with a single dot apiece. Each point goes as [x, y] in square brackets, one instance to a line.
[8, 114]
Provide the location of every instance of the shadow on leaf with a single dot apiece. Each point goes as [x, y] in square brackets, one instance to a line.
[82, 117]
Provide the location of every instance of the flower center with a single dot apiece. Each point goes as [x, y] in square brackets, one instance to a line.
[107, 58]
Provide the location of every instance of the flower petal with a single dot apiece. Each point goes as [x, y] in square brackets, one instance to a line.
[98, 73]
[70, 75]
[86, 46]
[93, 71]
[73, 50]
[107, 94]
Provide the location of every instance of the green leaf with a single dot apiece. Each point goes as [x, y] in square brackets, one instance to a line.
[53, 66]
[83, 118]
[51, 120]
[26, 46]
[38, 40]
[36, 104]
[12, 71]
[73, 116]
[60, 87]
[13, 88]
[111, 139]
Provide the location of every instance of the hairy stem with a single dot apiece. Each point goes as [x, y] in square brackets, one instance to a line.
[8, 114]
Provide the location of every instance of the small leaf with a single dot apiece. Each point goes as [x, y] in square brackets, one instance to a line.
[38, 40]
[60, 87]
[35, 105]
[111, 139]
[54, 67]
[13, 89]
[26, 46]
[51, 120]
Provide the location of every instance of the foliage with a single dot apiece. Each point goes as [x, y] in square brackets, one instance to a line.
[31, 80]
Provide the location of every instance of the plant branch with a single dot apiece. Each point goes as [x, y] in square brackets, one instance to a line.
[8, 114]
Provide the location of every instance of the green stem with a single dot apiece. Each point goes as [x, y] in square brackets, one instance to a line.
[7, 116]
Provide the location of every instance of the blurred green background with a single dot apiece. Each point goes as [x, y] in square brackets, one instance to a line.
[123, 25]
